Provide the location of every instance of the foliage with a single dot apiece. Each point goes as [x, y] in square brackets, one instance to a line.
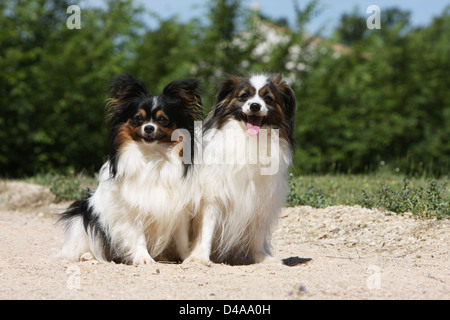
[53, 83]
[311, 197]
[383, 190]
[364, 97]
[420, 201]
[377, 101]
[65, 186]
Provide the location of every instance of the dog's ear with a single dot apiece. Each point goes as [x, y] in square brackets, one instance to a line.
[187, 91]
[289, 103]
[123, 91]
[125, 86]
[227, 87]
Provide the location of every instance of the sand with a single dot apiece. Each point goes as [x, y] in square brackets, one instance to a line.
[333, 253]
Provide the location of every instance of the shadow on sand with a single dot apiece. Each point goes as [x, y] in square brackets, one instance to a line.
[295, 261]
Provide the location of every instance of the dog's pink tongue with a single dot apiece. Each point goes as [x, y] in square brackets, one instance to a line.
[253, 125]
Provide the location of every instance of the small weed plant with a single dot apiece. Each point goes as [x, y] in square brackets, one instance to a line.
[312, 196]
[424, 198]
[66, 187]
[428, 201]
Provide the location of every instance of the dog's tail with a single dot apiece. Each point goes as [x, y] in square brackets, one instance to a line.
[83, 233]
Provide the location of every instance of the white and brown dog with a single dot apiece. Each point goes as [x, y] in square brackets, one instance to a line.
[247, 149]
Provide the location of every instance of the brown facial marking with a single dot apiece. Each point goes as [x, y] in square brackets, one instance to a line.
[265, 91]
[160, 114]
[127, 133]
[245, 93]
[143, 113]
[165, 134]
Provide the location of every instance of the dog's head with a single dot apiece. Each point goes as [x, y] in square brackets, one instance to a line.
[150, 120]
[259, 101]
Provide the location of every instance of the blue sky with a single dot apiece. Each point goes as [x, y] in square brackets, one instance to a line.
[422, 11]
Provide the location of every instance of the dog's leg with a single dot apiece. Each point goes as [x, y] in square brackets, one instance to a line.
[129, 244]
[264, 256]
[202, 249]
[260, 250]
[76, 243]
[181, 237]
[141, 255]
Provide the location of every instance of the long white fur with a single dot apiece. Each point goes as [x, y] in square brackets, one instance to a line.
[240, 204]
[140, 208]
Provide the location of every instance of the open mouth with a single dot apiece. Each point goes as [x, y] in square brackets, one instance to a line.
[254, 124]
[148, 139]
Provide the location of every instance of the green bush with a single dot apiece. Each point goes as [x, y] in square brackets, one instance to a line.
[424, 202]
[379, 102]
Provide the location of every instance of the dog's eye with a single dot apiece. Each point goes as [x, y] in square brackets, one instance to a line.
[244, 96]
[268, 98]
[163, 121]
[138, 119]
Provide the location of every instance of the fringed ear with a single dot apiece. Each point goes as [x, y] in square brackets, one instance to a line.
[227, 87]
[124, 90]
[187, 91]
[289, 104]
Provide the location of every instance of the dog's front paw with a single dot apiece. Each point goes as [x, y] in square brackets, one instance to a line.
[87, 256]
[198, 259]
[271, 260]
[262, 257]
[142, 257]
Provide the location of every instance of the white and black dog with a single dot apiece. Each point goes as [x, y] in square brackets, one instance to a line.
[144, 193]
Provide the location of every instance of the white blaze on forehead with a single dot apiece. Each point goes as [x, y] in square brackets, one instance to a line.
[155, 102]
[258, 81]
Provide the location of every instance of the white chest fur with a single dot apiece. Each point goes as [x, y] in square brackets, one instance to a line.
[249, 162]
[245, 178]
[148, 186]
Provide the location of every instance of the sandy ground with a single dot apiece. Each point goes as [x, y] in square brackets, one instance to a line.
[333, 253]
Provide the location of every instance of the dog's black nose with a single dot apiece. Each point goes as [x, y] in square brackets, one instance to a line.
[149, 129]
[255, 107]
